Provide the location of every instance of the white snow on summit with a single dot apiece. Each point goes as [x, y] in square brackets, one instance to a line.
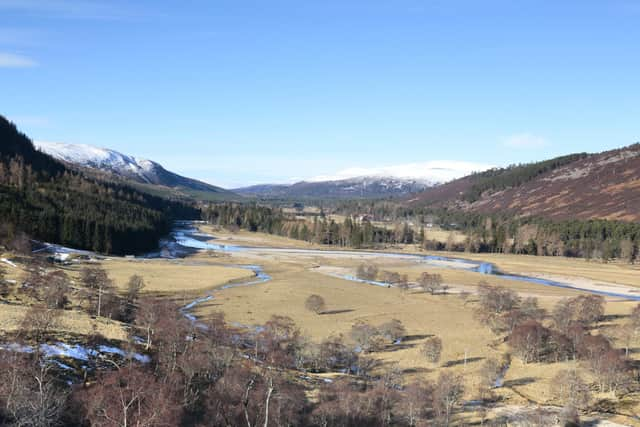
[100, 158]
[429, 173]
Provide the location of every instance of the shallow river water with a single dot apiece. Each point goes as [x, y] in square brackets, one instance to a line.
[186, 237]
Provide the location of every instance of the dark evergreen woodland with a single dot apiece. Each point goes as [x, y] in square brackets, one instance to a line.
[42, 198]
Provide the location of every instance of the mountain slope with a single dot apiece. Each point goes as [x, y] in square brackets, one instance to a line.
[604, 185]
[42, 197]
[361, 187]
[149, 175]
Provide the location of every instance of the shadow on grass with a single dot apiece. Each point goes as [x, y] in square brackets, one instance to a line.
[410, 371]
[417, 337]
[451, 363]
[347, 310]
[612, 317]
[396, 347]
[519, 381]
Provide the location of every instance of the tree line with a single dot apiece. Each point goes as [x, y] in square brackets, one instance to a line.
[322, 230]
[590, 239]
[498, 179]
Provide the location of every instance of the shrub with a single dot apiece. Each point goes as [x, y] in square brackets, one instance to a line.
[315, 303]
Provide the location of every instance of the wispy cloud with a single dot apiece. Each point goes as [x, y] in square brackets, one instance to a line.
[435, 171]
[525, 140]
[10, 60]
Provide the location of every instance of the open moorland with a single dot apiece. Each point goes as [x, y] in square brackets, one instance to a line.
[218, 281]
[466, 343]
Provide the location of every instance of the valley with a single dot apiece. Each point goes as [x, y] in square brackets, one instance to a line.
[251, 277]
[293, 271]
[440, 304]
[319, 214]
[299, 272]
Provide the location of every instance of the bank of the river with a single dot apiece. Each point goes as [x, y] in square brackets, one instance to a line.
[188, 238]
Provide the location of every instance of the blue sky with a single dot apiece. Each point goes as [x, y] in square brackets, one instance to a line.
[239, 92]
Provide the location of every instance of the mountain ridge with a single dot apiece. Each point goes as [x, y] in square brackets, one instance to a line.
[357, 187]
[602, 185]
[150, 175]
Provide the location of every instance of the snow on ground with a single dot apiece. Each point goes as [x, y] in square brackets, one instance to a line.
[74, 351]
[103, 158]
[115, 350]
[6, 261]
[60, 250]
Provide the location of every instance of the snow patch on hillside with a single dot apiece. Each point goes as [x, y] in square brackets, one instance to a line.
[100, 158]
[428, 173]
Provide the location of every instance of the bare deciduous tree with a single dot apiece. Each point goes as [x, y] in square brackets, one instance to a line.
[135, 285]
[367, 272]
[149, 316]
[489, 375]
[56, 289]
[634, 317]
[589, 309]
[333, 353]
[279, 342]
[29, 393]
[367, 337]
[430, 282]
[447, 393]
[39, 322]
[498, 308]
[99, 288]
[393, 330]
[315, 303]
[494, 300]
[417, 404]
[4, 286]
[570, 389]
[391, 277]
[432, 349]
[529, 341]
[585, 310]
[129, 397]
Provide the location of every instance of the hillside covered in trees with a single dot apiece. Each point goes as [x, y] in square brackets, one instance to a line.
[41, 197]
[500, 179]
[579, 186]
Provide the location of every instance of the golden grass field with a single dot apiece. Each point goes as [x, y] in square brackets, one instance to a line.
[71, 321]
[559, 266]
[295, 277]
[167, 276]
[447, 316]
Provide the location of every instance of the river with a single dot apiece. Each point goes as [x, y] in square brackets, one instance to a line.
[187, 238]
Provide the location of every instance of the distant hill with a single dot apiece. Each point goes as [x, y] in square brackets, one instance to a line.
[145, 174]
[359, 188]
[579, 186]
[42, 197]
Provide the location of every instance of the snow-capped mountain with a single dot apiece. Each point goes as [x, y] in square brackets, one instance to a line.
[370, 182]
[136, 169]
[358, 187]
[141, 170]
[431, 172]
